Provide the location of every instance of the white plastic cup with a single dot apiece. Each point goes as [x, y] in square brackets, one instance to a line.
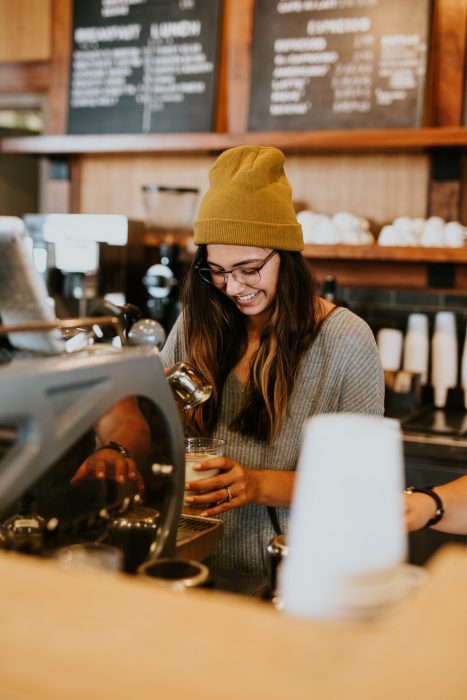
[443, 356]
[389, 342]
[346, 537]
[416, 346]
[464, 370]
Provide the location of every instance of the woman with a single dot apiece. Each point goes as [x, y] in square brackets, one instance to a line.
[273, 351]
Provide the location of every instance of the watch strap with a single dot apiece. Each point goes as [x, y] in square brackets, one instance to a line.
[428, 491]
[116, 447]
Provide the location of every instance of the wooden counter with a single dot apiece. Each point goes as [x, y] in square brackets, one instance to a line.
[65, 636]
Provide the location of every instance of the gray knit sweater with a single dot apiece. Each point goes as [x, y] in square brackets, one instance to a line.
[341, 372]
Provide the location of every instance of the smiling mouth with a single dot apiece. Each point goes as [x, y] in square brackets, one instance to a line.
[246, 298]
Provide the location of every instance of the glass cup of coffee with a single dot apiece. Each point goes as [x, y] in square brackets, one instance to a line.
[200, 449]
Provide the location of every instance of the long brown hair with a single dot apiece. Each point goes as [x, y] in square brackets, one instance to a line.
[216, 337]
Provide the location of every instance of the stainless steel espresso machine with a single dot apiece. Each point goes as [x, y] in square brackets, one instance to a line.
[55, 395]
[48, 409]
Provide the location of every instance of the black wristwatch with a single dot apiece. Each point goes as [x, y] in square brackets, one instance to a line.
[116, 446]
[428, 490]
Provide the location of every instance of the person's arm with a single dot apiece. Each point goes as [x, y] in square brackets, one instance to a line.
[362, 388]
[124, 424]
[236, 486]
[420, 508]
[123, 445]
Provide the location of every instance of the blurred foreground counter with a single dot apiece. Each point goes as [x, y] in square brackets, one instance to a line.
[65, 635]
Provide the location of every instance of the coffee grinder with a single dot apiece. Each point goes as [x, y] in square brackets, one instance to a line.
[170, 212]
[80, 256]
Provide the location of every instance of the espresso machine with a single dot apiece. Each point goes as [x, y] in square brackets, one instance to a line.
[48, 411]
[60, 380]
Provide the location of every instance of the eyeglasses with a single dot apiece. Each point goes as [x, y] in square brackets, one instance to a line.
[245, 275]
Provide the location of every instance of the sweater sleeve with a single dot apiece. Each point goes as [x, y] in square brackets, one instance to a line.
[363, 381]
[173, 350]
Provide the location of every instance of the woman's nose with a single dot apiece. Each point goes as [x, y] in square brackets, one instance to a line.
[232, 285]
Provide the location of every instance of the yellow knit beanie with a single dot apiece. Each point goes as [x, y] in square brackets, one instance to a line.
[249, 202]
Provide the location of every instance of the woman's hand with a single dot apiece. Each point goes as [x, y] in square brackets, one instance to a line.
[233, 487]
[109, 464]
[419, 509]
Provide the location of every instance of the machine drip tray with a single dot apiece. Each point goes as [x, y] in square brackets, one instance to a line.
[197, 537]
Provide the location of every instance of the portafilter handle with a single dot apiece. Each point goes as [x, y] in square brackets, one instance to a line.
[188, 386]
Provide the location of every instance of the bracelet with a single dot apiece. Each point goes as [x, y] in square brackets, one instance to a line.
[428, 491]
[116, 447]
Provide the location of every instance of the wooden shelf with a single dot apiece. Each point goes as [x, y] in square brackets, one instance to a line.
[385, 253]
[303, 141]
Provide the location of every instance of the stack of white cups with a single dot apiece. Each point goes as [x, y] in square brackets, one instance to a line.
[346, 538]
[443, 356]
[417, 346]
[464, 371]
[389, 342]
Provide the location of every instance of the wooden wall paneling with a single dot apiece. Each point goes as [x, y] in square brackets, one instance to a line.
[59, 185]
[62, 19]
[463, 189]
[445, 199]
[24, 77]
[221, 118]
[25, 30]
[447, 64]
[124, 176]
[74, 165]
[460, 277]
[57, 197]
[397, 275]
[238, 37]
[18, 184]
[379, 187]
[43, 183]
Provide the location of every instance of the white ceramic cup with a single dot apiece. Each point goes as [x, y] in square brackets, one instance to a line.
[416, 346]
[433, 232]
[454, 234]
[389, 341]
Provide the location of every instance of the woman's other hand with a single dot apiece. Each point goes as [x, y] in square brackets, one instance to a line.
[108, 464]
[419, 509]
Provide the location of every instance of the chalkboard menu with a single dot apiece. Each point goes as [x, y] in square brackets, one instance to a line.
[339, 64]
[143, 66]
